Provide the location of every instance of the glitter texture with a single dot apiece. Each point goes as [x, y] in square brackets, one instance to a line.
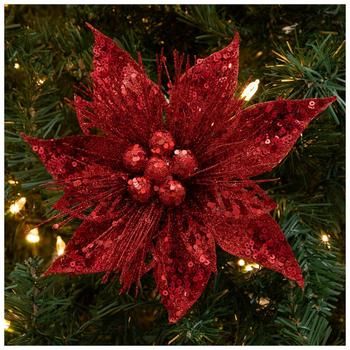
[165, 181]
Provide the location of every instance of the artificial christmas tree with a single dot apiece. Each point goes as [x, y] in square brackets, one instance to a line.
[244, 303]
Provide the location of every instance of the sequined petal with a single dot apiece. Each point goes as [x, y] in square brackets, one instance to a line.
[78, 255]
[201, 100]
[239, 199]
[254, 238]
[184, 259]
[65, 157]
[96, 197]
[118, 246]
[125, 103]
[261, 136]
[86, 167]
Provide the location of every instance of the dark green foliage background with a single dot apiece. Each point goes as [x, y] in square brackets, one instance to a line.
[53, 48]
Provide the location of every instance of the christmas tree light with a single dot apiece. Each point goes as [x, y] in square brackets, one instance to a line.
[325, 238]
[241, 262]
[41, 81]
[7, 324]
[60, 246]
[264, 301]
[251, 267]
[250, 90]
[16, 207]
[33, 236]
[12, 182]
[248, 268]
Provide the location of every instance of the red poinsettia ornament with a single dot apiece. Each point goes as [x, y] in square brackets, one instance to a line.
[166, 180]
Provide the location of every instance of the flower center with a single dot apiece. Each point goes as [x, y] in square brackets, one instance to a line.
[160, 170]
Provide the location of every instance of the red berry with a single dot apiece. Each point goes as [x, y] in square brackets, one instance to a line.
[161, 143]
[157, 169]
[184, 164]
[135, 158]
[172, 193]
[140, 189]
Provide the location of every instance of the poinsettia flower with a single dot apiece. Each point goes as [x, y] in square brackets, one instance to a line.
[165, 180]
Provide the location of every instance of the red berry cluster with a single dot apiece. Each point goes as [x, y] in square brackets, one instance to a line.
[162, 170]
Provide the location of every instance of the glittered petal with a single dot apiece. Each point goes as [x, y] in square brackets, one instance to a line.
[96, 197]
[239, 199]
[65, 157]
[77, 259]
[184, 259]
[118, 246]
[86, 168]
[124, 103]
[261, 136]
[255, 238]
[201, 100]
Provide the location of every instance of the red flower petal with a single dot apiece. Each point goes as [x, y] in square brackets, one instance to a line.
[77, 258]
[101, 191]
[66, 157]
[184, 259]
[201, 100]
[257, 238]
[125, 103]
[87, 168]
[262, 135]
[239, 199]
[111, 247]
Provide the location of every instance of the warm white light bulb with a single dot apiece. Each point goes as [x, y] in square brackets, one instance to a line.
[60, 246]
[7, 324]
[248, 268]
[41, 81]
[17, 206]
[250, 90]
[12, 182]
[325, 238]
[264, 301]
[16, 65]
[241, 262]
[251, 267]
[33, 236]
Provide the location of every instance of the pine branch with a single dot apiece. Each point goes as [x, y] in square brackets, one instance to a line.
[304, 316]
[207, 19]
[315, 70]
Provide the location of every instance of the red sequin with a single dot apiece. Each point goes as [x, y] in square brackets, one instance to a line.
[137, 216]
